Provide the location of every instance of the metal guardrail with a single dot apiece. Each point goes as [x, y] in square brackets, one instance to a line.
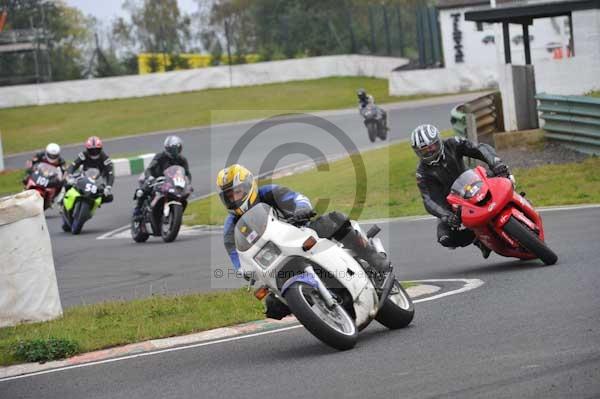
[572, 120]
[479, 119]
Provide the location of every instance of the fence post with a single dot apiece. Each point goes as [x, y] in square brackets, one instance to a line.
[472, 133]
[1, 154]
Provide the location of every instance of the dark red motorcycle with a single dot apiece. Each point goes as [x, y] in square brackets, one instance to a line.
[501, 218]
[46, 180]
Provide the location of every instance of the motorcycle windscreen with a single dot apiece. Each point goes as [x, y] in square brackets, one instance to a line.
[251, 226]
[92, 173]
[45, 174]
[175, 180]
[467, 185]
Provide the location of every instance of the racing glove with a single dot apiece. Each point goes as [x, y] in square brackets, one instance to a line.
[303, 213]
[453, 220]
[108, 197]
[500, 169]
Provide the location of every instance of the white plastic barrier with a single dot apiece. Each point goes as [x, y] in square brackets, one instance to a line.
[443, 80]
[28, 287]
[198, 79]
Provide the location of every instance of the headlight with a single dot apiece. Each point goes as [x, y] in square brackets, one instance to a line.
[267, 255]
[471, 190]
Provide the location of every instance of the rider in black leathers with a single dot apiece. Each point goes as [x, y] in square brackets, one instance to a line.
[441, 163]
[365, 99]
[171, 156]
[94, 157]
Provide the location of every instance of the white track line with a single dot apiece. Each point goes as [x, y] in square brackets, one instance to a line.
[470, 284]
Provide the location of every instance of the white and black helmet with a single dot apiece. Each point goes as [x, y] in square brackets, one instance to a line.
[173, 146]
[52, 151]
[427, 143]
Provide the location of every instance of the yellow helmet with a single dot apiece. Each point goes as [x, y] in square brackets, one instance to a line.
[237, 189]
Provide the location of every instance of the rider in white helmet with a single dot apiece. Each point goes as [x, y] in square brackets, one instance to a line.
[51, 155]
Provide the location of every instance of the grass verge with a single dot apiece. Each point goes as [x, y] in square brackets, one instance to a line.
[392, 190]
[11, 182]
[93, 327]
[27, 128]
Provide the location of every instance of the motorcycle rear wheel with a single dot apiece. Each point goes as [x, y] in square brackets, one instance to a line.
[334, 326]
[530, 241]
[382, 131]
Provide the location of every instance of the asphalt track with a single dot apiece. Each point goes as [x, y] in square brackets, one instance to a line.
[91, 270]
[531, 331]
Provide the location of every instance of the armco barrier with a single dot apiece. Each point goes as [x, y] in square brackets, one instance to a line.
[572, 120]
[479, 119]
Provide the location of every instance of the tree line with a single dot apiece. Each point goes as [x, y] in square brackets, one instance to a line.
[72, 45]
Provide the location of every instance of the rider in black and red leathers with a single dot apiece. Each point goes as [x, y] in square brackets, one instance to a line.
[94, 157]
[441, 163]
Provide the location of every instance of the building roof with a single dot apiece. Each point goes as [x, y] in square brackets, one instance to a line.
[525, 13]
[441, 4]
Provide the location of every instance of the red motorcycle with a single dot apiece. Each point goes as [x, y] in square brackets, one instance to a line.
[46, 180]
[502, 219]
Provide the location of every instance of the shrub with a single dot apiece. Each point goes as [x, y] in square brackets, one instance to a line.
[43, 350]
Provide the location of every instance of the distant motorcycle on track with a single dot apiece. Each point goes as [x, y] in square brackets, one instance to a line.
[46, 180]
[162, 212]
[374, 122]
[81, 200]
[502, 219]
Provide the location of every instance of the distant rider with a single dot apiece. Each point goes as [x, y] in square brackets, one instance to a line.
[365, 99]
[171, 156]
[51, 156]
[239, 192]
[441, 163]
[93, 157]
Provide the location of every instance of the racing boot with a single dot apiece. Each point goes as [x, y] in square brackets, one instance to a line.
[363, 248]
[485, 251]
[275, 309]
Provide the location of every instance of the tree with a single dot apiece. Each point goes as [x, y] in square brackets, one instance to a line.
[68, 38]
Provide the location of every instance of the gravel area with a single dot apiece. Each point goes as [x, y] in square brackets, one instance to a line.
[545, 153]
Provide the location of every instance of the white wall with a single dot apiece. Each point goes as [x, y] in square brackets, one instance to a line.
[572, 76]
[476, 52]
[580, 74]
[198, 79]
[457, 79]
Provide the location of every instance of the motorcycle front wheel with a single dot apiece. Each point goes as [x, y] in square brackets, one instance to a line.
[137, 231]
[172, 223]
[333, 326]
[81, 213]
[397, 310]
[530, 241]
[372, 129]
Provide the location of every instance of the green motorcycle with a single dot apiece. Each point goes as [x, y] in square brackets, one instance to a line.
[81, 200]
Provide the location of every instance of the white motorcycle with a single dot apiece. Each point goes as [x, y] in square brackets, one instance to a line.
[329, 290]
